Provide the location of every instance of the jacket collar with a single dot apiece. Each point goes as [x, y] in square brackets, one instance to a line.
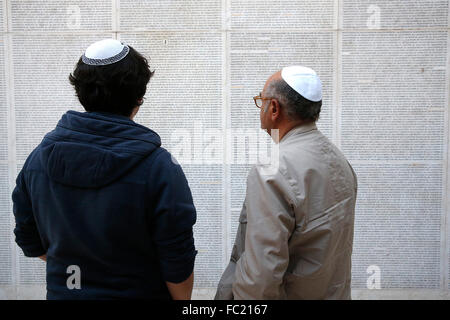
[299, 130]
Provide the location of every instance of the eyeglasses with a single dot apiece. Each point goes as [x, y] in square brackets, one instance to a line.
[260, 100]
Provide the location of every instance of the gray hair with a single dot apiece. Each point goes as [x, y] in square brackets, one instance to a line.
[295, 105]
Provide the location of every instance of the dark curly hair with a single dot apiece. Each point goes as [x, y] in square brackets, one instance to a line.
[116, 88]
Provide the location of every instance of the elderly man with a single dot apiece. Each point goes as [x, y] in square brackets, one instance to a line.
[295, 235]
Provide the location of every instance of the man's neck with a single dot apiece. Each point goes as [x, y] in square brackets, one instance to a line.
[288, 126]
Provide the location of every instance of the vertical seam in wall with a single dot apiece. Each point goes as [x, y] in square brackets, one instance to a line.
[446, 166]
[11, 125]
[337, 39]
[5, 16]
[225, 123]
[115, 9]
[335, 74]
[337, 81]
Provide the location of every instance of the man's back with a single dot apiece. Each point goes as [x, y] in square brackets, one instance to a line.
[296, 228]
[321, 245]
[101, 196]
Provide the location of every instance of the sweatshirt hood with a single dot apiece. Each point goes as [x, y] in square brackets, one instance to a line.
[93, 149]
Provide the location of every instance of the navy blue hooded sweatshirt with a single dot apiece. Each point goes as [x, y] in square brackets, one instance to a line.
[99, 193]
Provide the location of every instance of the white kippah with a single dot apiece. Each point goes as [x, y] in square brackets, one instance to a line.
[105, 52]
[303, 80]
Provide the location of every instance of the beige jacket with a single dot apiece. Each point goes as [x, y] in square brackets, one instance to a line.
[295, 234]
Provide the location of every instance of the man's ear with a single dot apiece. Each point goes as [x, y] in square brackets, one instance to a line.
[275, 109]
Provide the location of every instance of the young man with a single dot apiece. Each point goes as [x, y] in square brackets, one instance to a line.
[295, 235]
[100, 200]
